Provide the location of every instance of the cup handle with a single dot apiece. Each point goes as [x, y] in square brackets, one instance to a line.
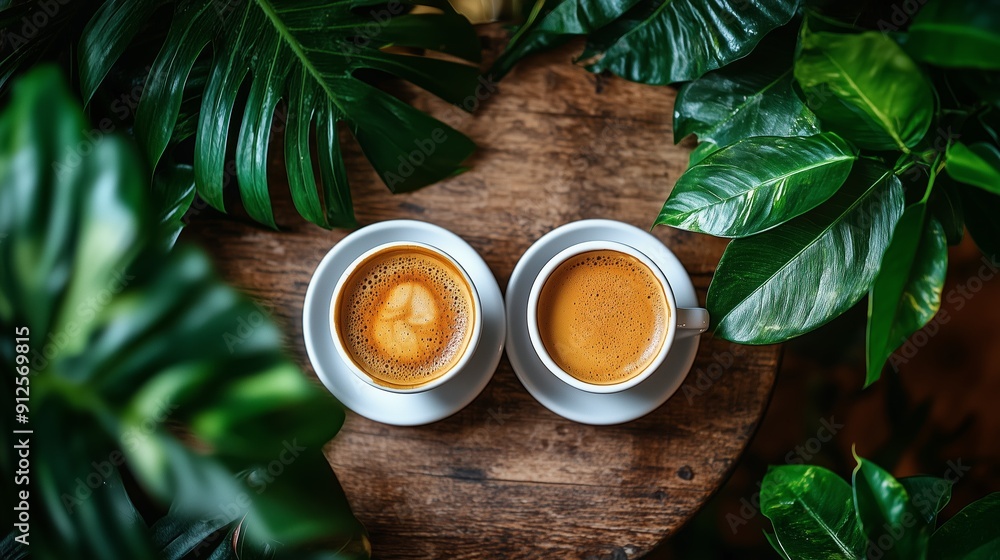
[691, 322]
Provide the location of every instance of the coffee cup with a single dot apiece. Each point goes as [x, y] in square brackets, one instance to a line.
[405, 317]
[602, 316]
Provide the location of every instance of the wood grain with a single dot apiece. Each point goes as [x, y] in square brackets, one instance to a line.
[506, 478]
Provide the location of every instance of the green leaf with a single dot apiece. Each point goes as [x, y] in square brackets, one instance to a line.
[700, 152]
[52, 270]
[907, 291]
[173, 194]
[864, 87]
[106, 36]
[87, 511]
[981, 209]
[757, 184]
[308, 55]
[971, 534]
[929, 495]
[151, 363]
[789, 280]
[552, 23]
[667, 41]
[956, 34]
[887, 515]
[812, 512]
[728, 105]
[977, 164]
[773, 541]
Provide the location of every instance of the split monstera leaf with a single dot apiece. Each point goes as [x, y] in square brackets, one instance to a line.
[161, 424]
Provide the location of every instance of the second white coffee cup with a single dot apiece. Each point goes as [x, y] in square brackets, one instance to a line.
[682, 322]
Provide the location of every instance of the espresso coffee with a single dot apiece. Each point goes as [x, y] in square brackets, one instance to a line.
[405, 316]
[603, 316]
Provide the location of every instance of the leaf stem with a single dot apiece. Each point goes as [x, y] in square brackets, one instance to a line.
[527, 23]
[936, 168]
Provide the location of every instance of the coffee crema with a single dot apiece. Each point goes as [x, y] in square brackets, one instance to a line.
[405, 316]
[603, 316]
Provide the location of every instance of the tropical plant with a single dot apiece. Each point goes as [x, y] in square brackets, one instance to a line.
[165, 418]
[842, 153]
[648, 41]
[815, 514]
[242, 68]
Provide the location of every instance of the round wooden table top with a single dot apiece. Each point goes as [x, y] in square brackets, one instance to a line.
[505, 477]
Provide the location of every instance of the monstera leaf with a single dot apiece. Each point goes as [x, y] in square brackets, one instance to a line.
[151, 382]
[300, 58]
[229, 73]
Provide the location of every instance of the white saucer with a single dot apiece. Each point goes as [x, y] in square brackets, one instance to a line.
[409, 409]
[569, 402]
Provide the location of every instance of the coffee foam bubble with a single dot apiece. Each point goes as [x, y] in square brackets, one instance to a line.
[406, 316]
[602, 316]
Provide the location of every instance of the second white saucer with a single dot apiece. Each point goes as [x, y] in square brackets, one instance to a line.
[569, 402]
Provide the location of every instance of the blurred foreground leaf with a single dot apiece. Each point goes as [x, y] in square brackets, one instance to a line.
[152, 383]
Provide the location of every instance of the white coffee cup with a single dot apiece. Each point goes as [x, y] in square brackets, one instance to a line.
[683, 322]
[345, 355]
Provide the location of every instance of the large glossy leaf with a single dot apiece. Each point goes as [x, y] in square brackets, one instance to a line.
[757, 184]
[304, 57]
[981, 209]
[957, 34]
[971, 534]
[977, 164]
[552, 23]
[728, 105]
[907, 290]
[887, 514]
[789, 280]
[667, 41]
[812, 512]
[136, 345]
[864, 87]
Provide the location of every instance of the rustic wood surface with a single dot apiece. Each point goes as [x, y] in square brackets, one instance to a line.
[506, 478]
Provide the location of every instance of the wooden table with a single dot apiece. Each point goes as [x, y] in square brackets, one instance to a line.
[506, 478]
